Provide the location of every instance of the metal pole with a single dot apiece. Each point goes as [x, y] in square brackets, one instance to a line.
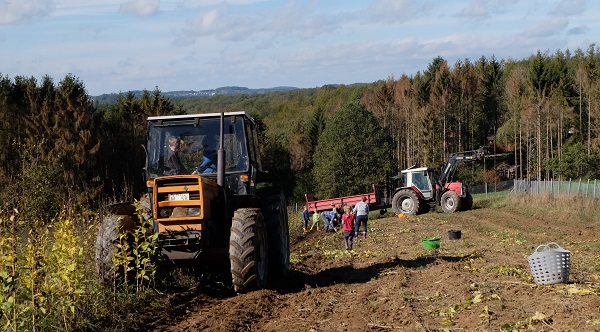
[587, 188]
[221, 155]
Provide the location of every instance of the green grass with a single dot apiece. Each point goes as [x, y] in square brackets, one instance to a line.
[499, 194]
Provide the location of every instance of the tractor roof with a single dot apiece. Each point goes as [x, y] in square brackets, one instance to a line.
[415, 169]
[192, 116]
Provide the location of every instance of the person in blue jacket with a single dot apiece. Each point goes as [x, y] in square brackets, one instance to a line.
[207, 165]
[329, 218]
[305, 218]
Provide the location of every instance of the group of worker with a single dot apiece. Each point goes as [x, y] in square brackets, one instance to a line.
[351, 220]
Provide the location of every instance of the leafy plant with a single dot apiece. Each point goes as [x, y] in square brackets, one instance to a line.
[145, 251]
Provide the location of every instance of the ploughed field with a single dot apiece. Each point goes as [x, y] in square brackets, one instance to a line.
[389, 282]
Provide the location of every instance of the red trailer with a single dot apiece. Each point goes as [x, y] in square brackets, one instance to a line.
[375, 200]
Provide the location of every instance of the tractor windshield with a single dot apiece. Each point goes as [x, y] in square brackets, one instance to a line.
[421, 180]
[190, 147]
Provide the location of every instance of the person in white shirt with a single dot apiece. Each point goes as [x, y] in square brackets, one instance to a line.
[361, 210]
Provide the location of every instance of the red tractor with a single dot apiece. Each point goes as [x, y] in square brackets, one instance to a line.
[424, 188]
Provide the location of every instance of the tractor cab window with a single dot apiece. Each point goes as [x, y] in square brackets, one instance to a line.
[191, 147]
[421, 180]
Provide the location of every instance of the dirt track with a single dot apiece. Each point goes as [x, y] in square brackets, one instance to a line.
[480, 282]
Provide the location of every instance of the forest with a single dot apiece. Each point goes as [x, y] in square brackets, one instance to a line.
[59, 146]
[64, 157]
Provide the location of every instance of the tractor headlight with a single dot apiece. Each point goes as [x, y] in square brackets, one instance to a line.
[165, 212]
[194, 212]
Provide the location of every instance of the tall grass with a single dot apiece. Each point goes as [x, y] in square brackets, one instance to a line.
[42, 272]
[566, 208]
[48, 279]
[562, 207]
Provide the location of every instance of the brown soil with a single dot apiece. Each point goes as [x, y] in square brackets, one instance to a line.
[389, 282]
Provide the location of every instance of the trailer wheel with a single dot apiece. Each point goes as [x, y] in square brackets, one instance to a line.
[277, 231]
[450, 201]
[248, 252]
[406, 201]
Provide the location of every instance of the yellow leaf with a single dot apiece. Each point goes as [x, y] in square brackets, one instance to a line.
[576, 291]
[538, 316]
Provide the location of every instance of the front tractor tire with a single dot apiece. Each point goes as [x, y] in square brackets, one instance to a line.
[107, 245]
[450, 201]
[248, 252]
[406, 201]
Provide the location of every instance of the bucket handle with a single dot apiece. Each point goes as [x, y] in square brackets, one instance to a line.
[552, 244]
[548, 246]
[543, 246]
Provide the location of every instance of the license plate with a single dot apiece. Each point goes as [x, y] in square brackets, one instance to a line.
[179, 197]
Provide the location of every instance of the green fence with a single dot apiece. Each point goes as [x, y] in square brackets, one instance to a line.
[580, 187]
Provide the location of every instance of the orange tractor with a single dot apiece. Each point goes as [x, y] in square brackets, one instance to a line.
[207, 194]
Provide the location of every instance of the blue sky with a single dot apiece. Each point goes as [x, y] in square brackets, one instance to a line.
[120, 45]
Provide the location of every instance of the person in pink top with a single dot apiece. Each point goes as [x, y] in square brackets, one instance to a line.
[348, 227]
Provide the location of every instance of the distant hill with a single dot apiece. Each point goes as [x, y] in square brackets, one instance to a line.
[226, 90]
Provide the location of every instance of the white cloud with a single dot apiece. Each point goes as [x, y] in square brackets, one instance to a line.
[547, 28]
[579, 30]
[22, 11]
[262, 43]
[484, 9]
[476, 10]
[300, 18]
[394, 11]
[140, 7]
[569, 7]
[221, 23]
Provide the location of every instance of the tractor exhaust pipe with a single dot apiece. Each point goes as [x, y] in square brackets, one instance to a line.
[221, 155]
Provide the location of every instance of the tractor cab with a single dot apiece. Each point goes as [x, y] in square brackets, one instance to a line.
[423, 178]
[189, 144]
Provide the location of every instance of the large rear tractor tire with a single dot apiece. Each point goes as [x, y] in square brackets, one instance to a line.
[450, 201]
[277, 232]
[248, 252]
[407, 201]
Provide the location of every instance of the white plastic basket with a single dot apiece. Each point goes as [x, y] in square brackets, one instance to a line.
[549, 264]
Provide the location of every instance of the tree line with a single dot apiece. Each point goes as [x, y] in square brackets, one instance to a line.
[58, 145]
[542, 111]
[60, 148]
